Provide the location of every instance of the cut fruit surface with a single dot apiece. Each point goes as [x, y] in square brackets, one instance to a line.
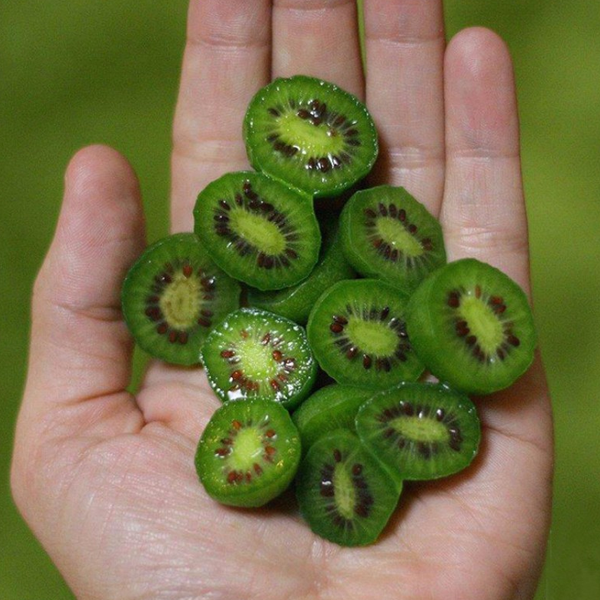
[256, 354]
[173, 295]
[248, 453]
[311, 134]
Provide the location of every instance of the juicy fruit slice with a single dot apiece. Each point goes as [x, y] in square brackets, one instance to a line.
[311, 134]
[258, 230]
[358, 334]
[248, 453]
[173, 295]
[344, 494]
[330, 408]
[386, 233]
[296, 302]
[420, 430]
[472, 326]
[256, 354]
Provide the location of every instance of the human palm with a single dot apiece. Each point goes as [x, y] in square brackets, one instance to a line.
[107, 480]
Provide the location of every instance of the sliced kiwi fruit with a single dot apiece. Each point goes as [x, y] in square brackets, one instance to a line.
[358, 334]
[258, 230]
[386, 233]
[472, 327]
[330, 408]
[248, 453]
[344, 494]
[257, 354]
[311, 134]
[172, 297]
[420, 430]
[296, 302]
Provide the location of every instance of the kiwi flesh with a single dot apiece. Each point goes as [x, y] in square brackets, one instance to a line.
[387, 233]
[311, 134]
[420, 430]
[257, 354]
[248, 453]
[330, 408]
[358, 333]
[258, 230]
[472, 326]
[344, 494]
[173, 296]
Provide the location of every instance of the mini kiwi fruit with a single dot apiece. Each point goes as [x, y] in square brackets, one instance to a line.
[387, 233]
[358, 334]
[173, 295]
[257, 354]
[344, 494]
[248, 453]
[472, 326]
[420, 430]
[258, 230]
[311, 134]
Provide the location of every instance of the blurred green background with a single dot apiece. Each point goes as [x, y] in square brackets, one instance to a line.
[81, 71]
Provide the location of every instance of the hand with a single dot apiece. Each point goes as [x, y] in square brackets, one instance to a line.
[107, 481]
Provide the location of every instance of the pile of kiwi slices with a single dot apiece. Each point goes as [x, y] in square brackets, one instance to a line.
[277, 290]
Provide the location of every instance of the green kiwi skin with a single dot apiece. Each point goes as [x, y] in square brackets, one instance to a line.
[325, 188]
[296, 302]
[133, 295]
[369, 265]
[426, 395]
[330, 408]
[429, 335]
[288, 444]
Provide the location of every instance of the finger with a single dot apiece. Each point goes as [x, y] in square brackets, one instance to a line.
[318, 38]
[80, 359]
[405, 47]
[226, 60]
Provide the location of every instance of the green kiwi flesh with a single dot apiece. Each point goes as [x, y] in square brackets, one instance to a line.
[386, 233]
[248, 453]
[330, 408]
[172, 297]
[344, 494]
[358, 334]
[311, 134]
[258, 230]
[472, 326]
[257, 354]
[420, 430]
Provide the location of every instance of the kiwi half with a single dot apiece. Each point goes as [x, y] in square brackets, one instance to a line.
[256, 354]
[386, 233]
[343, 492]
[420, 430]
[472, 326]
[311, 134]
[248, 453]
[258, 230]
[172, 297]
[358, 334]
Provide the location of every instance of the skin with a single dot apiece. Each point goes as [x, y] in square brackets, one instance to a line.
[106, 480]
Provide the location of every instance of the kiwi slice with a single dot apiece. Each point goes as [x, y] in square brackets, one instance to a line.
[386, 233]
[173, 295]
[344, 494]
[420, 430]
[330, 408]
[256, 354]
[258, 230]
[296, 302]
[248, 453]
[472, 326]
[311, 134]
[358, 334]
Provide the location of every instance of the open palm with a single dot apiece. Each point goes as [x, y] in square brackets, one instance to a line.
[107, 481]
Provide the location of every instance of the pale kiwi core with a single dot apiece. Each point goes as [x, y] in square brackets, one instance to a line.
[482, 322]
[345, 494]
[394, 234]
[258, 232]
[314, 140]
[373, 337]
[180, 301]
